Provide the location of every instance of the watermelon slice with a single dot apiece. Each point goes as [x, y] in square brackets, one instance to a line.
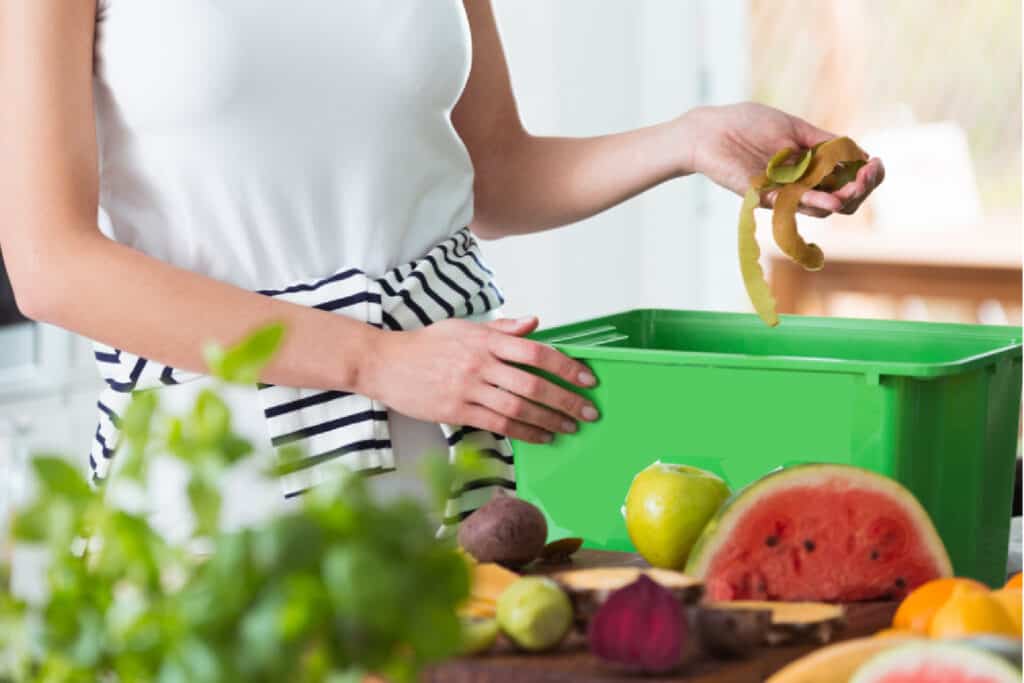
[936, 663]
[832, 533]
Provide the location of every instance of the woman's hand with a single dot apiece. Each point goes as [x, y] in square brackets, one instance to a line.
[461, 373]
[732, 144]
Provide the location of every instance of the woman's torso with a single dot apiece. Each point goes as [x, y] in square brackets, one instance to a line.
[261, 142]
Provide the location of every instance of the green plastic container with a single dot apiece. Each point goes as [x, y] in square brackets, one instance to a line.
[935, 406]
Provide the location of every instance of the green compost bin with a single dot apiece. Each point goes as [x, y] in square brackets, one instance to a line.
[935, 406]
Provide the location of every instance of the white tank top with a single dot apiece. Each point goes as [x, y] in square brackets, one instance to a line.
[262, 143]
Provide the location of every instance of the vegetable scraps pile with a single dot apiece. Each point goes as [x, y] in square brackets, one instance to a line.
[827, 167]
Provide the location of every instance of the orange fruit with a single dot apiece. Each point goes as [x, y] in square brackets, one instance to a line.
[1014, 582]
[1010, 599]
[970, 612]
[917, 609]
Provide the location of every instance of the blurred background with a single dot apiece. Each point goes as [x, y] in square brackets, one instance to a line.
[935, 93]
[934, 89]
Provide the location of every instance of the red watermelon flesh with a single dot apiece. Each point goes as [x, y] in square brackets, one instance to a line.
[923, 672]
[819, 532]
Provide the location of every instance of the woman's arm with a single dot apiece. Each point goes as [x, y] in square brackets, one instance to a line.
[526, 183]
[64, 271]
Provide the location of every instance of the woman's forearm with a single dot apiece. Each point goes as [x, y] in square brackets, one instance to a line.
[537, 183]
[121, 297]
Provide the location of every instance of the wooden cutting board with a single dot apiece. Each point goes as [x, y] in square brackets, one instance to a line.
[572, 663]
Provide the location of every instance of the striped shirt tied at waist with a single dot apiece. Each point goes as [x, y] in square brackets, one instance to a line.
[338, 429]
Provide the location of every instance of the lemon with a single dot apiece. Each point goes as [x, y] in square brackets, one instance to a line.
[1010, 599]
[666, 509]
[970, 612]
[917, 609]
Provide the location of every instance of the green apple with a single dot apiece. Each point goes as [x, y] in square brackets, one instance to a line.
[666, 509]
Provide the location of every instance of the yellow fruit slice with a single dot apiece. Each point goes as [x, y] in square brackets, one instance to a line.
[969, 612]
[478, 608]
[489, 580]
[917, 609]
[1010, 599]
[1015, 581]
[837, 663]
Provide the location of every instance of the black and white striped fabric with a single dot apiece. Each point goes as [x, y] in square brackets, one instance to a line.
[337, 429]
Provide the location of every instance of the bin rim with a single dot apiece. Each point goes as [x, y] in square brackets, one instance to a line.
[1007, 342]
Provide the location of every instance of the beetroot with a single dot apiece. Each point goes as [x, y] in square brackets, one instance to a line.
[506, 530]
[640, 627]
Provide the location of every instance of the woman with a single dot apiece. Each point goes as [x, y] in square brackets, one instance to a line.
[252, 163]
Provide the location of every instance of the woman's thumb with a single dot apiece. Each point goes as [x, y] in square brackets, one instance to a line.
[519, 326]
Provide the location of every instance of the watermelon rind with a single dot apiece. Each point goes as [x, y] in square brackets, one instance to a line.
[1010, 649]
[718, 532]
[944, 658]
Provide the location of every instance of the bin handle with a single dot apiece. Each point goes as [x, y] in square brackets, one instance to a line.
[594, 336]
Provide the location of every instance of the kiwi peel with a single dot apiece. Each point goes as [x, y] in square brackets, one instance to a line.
[560, 551]
[827, 166]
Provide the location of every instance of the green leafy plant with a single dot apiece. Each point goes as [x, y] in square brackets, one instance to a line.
[341, 586]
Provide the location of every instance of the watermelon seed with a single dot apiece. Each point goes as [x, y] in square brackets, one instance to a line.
[771, 541]
[874, 554]
[901, 582]
[809, 545]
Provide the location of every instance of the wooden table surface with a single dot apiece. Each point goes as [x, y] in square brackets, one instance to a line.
[572, 663]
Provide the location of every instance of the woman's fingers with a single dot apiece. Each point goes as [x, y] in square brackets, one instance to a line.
[821, 201]
[539, 390]
[518, 326]
[811, 204]
[543, 357]
[854, 193]
[485, 418]
[846, 199]
[523, 410]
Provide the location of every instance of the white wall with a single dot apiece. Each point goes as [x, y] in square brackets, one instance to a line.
[581, 67]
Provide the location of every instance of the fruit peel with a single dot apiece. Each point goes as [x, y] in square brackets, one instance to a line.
[828, 166]
[758, 291]
[560, 551]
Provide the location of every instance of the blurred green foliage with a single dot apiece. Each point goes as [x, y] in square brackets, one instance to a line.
[341, 586]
